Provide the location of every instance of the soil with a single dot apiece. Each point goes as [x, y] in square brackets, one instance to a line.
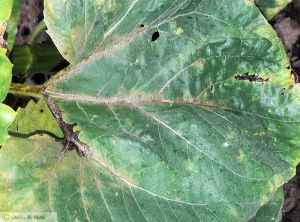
[286, 24]
[32, 14]
[291, 207]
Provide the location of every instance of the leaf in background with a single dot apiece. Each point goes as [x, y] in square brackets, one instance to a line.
[270, 8]
[12, 26]
[184, 105]
[6, 113]
[35, 118]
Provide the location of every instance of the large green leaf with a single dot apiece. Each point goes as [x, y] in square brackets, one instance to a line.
[200, 124]
[74, 189]
[6, 113]
[270, 8]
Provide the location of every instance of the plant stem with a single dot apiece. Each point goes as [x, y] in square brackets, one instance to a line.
[37, 31]
[26, 90]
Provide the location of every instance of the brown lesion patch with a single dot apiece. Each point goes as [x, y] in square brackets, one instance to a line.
[250, 77]
[199, 64]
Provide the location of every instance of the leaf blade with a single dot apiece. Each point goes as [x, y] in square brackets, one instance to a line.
[174, 123]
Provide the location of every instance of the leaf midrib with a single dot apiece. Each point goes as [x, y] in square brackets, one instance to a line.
[133, 101]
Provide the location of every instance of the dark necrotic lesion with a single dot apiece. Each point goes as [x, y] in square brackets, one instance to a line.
[250, 77]
[155, 36]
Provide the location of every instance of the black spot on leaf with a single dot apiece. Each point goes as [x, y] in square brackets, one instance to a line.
[155, 36]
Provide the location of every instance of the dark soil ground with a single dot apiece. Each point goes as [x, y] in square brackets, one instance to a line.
[286, 24]
[32, 14]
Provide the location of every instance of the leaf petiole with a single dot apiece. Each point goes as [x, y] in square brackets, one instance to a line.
[26, 90]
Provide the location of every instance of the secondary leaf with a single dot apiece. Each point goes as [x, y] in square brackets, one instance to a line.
[184, 106]
[270, 8]
[6, 113]
[35, 118]
[6, 118]
[5, 10]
